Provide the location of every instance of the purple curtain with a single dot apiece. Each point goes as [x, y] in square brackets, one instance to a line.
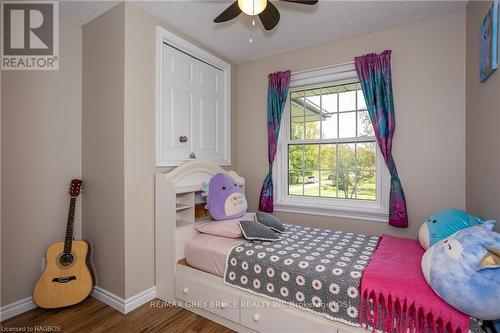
[276, 99]
[374, 71]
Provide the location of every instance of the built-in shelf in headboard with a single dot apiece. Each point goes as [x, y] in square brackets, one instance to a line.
[175, 206]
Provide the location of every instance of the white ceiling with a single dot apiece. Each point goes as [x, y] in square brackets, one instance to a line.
[300, 26]
[85, 11]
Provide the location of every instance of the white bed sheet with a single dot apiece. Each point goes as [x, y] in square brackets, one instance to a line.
[209, 253]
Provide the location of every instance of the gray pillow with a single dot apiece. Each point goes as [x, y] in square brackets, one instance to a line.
[255, 231]
[271, 221]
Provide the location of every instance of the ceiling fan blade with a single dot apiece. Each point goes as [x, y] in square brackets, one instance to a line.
[270, 16]
[230, 13]
[303, 2]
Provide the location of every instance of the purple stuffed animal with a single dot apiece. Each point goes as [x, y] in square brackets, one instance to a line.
[224, 198]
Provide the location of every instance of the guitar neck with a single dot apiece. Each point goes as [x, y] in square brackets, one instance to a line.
[69, 226]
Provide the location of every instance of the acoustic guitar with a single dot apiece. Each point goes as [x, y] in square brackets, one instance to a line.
[66, 279]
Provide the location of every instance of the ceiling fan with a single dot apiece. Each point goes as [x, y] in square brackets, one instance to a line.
[268, 13]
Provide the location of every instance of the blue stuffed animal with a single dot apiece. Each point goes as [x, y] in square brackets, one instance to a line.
[464, 270]
[444, 223]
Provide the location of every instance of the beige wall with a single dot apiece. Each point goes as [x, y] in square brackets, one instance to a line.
[102, 147]
[1, 189]
[41, 151]
[483, 125]
[140, 35]
[429, 93]
[119, 65]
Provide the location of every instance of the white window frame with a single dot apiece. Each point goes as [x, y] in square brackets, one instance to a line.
[371, 210]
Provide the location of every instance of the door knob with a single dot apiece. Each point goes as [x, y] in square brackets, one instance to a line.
[256, 317]
[185, 290]
[183, 139]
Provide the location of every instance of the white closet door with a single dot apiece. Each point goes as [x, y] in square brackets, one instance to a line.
[210, 120]
[194, 116]
[179, 101]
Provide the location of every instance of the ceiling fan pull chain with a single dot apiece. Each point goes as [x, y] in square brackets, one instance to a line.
[252, 30]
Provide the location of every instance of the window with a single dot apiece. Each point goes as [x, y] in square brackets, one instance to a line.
[328, 161]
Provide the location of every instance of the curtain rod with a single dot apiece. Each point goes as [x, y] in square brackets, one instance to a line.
[320, 68]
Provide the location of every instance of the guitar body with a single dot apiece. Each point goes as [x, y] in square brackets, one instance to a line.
[64, 283]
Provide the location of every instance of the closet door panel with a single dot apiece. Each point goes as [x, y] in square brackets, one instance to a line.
[210, 80]
[179, 98]
[210, 118]
[208, 128]
[181, 106]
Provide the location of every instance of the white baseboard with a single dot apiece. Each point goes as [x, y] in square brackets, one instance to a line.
[120, 304]
[116, 302]
[139, 299]
[13, 309]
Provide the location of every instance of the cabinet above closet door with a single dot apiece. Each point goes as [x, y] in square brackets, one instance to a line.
[193, 104]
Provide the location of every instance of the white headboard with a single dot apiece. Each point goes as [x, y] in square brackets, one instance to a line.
[169, 238]
[189, 176]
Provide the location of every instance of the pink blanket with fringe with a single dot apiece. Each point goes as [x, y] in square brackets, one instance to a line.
[394, 282]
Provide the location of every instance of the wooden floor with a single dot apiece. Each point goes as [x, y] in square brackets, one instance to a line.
[94, 316]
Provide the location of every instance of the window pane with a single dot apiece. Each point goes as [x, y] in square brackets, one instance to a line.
[361, 100]
[313, 127]
[366, 156]
[347, 101]
[297, 115]
[346, 181]
[295, 182]
[347, 125]
[297, 128]
[313, 113]
[365, 127]
[295, 157]
[328, 156]
[329, 102]
[329, 106]
[347, 156]
[329, 127]
[311, 157]
[311, 183]
[367, 185]
[328, 184]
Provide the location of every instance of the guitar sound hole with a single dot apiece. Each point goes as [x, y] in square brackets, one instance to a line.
[66, 259]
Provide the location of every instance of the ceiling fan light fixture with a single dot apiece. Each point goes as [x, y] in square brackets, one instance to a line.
[252, 7]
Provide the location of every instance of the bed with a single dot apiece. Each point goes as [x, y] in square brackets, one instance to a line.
[215, 277]
[203, 290]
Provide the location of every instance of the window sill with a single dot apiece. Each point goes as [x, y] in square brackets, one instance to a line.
[357, 213]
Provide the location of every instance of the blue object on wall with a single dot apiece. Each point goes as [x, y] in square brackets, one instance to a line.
[488, 39]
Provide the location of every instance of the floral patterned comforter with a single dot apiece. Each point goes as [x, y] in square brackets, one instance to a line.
[317, 270]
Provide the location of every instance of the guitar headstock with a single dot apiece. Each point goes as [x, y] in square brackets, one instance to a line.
[75, 188]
